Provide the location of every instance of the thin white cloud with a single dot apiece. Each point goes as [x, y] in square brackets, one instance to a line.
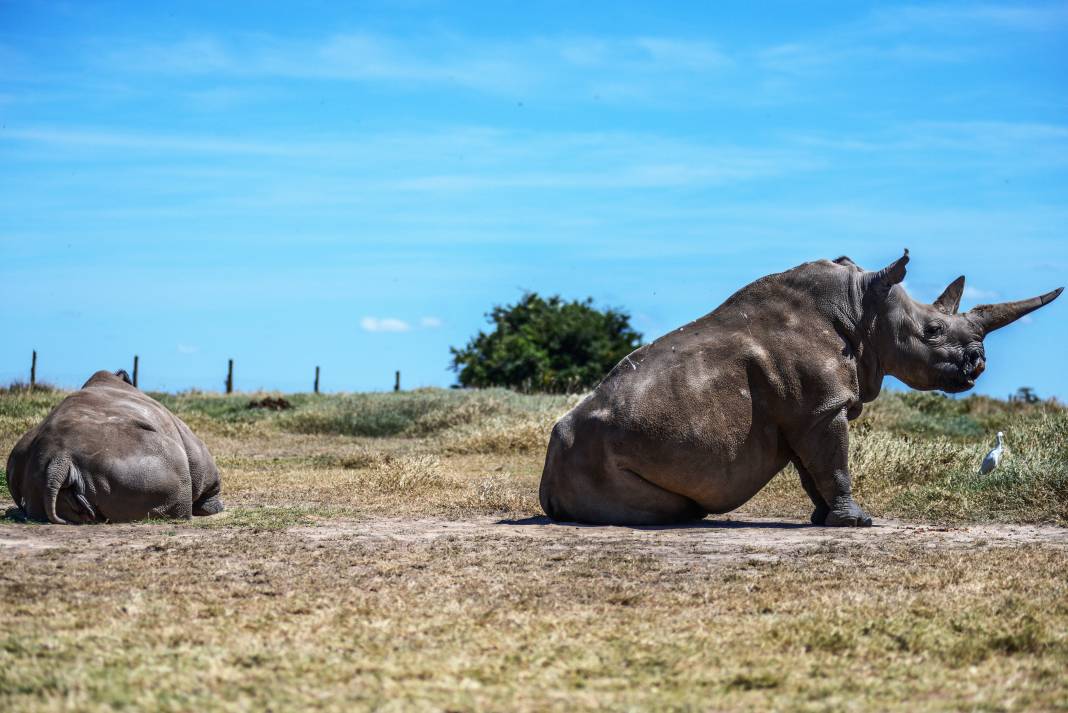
[490, 159]
[665, 175]
[94, 138]
[955, 17]
[1010, 144]
[430, 322]
[384, 324]
[845, 53]
[636, 53]
[187, 349]
[909, 34]
[551, 64]
[975, 293]
[683, 54]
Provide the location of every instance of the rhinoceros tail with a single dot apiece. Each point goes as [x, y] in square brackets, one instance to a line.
[58, 471]
[62, 473]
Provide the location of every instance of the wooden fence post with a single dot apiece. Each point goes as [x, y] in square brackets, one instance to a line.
[230, 377]
[316, 379]
[135, 372]
[33, 370]
[396, 382]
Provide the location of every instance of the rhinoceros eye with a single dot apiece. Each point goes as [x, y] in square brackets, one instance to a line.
[934, 330]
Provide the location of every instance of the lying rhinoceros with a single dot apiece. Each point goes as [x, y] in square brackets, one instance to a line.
[109, 453]
[701, 419]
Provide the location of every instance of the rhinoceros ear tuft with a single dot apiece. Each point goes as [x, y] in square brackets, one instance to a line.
[880, 282]
[949, 301]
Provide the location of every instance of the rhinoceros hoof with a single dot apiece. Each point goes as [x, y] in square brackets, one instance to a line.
[854, 517]
[211, 506]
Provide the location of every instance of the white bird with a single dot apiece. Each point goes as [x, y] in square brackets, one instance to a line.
[993, 458]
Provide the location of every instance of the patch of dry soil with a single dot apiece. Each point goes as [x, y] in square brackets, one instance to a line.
[731, 540]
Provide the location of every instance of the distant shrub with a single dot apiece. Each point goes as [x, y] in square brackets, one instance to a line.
[19, 386]
[546, 345]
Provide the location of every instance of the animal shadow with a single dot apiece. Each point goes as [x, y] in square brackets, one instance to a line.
[692, 525]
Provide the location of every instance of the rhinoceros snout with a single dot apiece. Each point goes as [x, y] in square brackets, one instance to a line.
[974, 363]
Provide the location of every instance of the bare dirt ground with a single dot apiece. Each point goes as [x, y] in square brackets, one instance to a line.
[731, 540]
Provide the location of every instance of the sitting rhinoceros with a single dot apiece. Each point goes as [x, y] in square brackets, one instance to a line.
[701, 419]
[109, 453]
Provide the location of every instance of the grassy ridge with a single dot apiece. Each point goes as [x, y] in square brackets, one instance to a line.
[912, 454]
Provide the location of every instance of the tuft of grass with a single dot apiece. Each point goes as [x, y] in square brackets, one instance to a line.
[504, 493]
[523, 434]
[754, 681]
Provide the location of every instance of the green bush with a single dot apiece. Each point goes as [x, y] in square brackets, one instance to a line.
[546, 345]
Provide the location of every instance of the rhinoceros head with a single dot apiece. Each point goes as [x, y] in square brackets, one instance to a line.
[932, 346]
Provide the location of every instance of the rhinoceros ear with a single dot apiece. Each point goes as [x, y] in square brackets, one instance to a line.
[949, 301]
[879, 283]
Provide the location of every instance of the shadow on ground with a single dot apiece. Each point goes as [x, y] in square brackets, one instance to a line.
[694, 525]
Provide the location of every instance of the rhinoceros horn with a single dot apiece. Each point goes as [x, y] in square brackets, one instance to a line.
[949, 301]
[991, 317]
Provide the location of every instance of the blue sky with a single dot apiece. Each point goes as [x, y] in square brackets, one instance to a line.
[354, 187]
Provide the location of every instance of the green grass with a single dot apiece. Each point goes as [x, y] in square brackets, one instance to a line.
[421, 412]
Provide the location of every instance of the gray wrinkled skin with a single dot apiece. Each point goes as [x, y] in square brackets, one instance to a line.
[109, 453]
[701, 419]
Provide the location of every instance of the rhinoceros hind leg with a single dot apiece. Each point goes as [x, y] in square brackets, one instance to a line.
[617, 497]
[208, 506]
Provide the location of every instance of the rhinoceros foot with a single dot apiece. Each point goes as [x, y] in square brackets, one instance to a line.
[209, 506]
[847, 515]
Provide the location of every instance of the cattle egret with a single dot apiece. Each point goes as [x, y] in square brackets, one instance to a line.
[993, 458]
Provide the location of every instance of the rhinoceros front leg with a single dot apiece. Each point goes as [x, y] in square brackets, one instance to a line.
[823, 452]
[822, 509]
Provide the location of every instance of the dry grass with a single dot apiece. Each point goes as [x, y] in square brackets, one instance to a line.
[282, 603]
[294, 619]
